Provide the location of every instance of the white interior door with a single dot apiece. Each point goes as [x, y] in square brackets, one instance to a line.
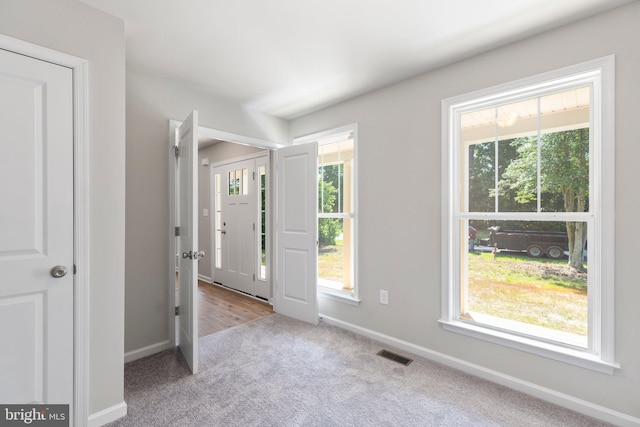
[297, 195]
[237, 226]
[187, 200]
[36, 231]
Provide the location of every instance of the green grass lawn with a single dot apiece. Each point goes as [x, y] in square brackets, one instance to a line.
[541, 292]
[330, 262]
[537, 291]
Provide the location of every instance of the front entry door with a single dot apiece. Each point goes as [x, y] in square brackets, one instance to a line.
[237, 226]
[36, 231]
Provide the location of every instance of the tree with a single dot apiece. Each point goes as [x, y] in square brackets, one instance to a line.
[482, 177]
[564, 175]
[333, 174]
[328, 228]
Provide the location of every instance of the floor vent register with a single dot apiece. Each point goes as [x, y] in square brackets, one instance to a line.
[395, 357]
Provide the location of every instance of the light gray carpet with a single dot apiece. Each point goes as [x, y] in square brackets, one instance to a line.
[276, 371]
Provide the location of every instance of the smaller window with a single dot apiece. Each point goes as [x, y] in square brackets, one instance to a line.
[262, 237]
[218, 219]
[337, 224]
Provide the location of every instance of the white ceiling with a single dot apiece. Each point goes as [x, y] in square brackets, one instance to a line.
[291, 57]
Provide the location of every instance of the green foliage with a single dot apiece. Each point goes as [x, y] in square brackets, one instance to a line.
[482, 176]
[328, 228]
[564, 170]
[332, 176]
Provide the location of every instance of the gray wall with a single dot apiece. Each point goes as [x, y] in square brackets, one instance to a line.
[399, 128]
[215, 153]
[151, 103]
[79, 30]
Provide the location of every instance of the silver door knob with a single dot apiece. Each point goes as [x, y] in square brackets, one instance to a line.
[59, 271]
[200, 254]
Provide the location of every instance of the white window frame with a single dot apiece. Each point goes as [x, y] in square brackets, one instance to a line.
[599, 73]
[327, 137]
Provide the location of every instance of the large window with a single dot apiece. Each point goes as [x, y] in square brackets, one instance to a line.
[527, 172]
[336, 212]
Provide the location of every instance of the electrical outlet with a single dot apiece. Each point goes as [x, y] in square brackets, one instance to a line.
[384, 297]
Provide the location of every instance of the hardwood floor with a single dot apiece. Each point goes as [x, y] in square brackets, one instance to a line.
[221, 308]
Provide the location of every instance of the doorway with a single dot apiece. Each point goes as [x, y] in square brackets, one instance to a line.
[295, 294]
[214, 146]
[35, 147]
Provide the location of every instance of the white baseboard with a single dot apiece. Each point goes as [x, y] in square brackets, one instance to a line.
[205, 278]
[561, 399]
[130, 356]
[108, 415]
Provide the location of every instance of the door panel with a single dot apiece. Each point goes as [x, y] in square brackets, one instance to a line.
[187, 199]
[296, 291]
[238, 234]
[36, 230]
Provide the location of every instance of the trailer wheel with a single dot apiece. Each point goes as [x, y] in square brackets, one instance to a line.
[555, 252]
[535, 251]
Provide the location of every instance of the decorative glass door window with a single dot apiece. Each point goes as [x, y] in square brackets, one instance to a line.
[239, 182]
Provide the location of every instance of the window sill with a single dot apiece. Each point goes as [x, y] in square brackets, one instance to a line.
[557, 352]
[339, 296]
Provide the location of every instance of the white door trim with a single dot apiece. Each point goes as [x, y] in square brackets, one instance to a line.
[81, 211]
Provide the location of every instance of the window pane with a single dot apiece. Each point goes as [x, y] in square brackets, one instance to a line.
[516, 276]
[218, 220]
[482, 177]
[330, 186]
[232, 180]
[564, 147]
[262, 262]
[245, 181]
[335, 237]
[518, 176]
[537, 150]
[335, 177]
[236, 183]
[517, 167]
[263, 257]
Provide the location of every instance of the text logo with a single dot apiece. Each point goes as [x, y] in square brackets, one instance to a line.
[34, 415]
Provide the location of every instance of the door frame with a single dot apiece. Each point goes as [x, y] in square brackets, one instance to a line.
[209, 133]
[80, 71]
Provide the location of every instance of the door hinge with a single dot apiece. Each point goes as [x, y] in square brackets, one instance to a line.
[254, 176]
[176, 150]
[177, 311]
[74, 269]
[177, 232]
[254, 226]
[254, 277]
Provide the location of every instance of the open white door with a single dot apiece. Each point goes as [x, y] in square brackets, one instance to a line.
[187, 202]
[297, 194]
